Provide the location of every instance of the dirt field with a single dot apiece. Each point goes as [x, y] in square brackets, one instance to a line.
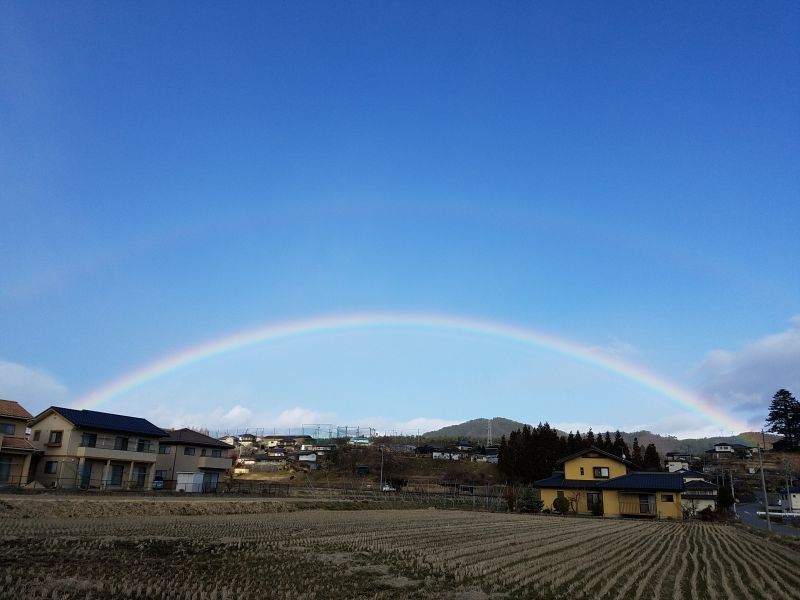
[275, 549]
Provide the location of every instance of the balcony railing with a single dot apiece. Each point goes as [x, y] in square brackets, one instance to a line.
[112, 444]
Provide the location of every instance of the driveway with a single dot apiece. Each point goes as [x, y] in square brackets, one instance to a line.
[747, 514]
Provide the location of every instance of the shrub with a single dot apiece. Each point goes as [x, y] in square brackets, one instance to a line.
[561, 505]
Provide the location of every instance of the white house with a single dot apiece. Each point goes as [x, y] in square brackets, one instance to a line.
[445, 455]
[790, 500]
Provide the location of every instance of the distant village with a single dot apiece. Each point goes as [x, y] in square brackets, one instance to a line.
[66, 448]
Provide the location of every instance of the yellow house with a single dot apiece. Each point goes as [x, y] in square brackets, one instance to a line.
[90, 449]
[598, 482]
[15, 450]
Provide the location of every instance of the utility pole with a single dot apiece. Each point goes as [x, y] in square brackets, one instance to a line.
[381, 469]
[764, 488]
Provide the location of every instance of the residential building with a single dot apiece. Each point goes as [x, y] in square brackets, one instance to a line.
[598, 482]
[184, 452]
[790, 499]
[15, 450]
[726, 450]
[91, 449]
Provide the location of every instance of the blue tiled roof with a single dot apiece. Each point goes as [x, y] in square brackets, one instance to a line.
[92, 419]
[642, 480]
[556, 480]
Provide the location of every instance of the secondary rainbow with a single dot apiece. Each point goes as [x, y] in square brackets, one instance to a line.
[479, 327]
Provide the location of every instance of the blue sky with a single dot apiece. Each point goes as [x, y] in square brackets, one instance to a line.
[623, 176]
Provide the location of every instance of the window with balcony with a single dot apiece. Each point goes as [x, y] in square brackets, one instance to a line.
[189, 451]
[88, 440]
[55, 438]
[165, 449]
[120, 443]
[144, 446]
[203, 452]
[600, 472]
[50, 467]
[216, 453]
[7, 429]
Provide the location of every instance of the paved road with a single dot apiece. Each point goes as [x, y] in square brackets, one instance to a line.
[747, 514]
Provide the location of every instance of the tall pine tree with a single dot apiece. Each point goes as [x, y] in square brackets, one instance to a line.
[636, 455]
[784, 417]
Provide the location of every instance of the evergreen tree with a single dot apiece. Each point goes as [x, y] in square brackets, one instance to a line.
[784, 417]
[571, 447]
[578, 441]
[608, 445]
[590, 441]
[619, 447]
[652, 461]
[636, 455]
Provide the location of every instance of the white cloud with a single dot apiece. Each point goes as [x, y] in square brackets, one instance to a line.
[237, 418]
[33, 388]
[744, 380]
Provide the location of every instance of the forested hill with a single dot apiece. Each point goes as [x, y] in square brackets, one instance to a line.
[476, 429]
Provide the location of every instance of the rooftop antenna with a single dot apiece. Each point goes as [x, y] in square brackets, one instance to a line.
[489, 434]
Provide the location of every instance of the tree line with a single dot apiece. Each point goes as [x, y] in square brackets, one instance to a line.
[533, 453]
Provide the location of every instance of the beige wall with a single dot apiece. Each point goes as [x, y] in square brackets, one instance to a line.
[611, 501]
[572, 468]
[179, 462]
[19, 426]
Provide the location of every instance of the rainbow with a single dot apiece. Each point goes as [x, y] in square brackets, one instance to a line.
[312, 326]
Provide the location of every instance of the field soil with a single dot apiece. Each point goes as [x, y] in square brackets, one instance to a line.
[276, 549]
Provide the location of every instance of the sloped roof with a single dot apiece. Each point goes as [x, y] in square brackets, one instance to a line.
[602, 453]
[11, 408]
[557, 480]
[690, 473]
[16, 443]
[92, 419]
[190, 437]
[700, 485]
[643, 480]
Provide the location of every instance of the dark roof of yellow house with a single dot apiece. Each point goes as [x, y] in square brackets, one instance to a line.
[557, 480]
[645, 481]
[603, 453]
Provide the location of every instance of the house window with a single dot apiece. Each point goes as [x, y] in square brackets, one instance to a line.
[8, 428]
[165, 450]
[667, 498]
[88, 440]
[581, 470]
[36, 435]
[50, 467]
[116, 474]
[593, 500]
[216, 453]
[143, 446]
[188, 451]
[5, 468]
[120, 443]
[600, 472]
[203, 452]
[560, 494]
[161, 474]
[55, 438]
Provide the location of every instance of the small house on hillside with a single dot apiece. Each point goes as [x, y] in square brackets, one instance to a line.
[730, 450]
